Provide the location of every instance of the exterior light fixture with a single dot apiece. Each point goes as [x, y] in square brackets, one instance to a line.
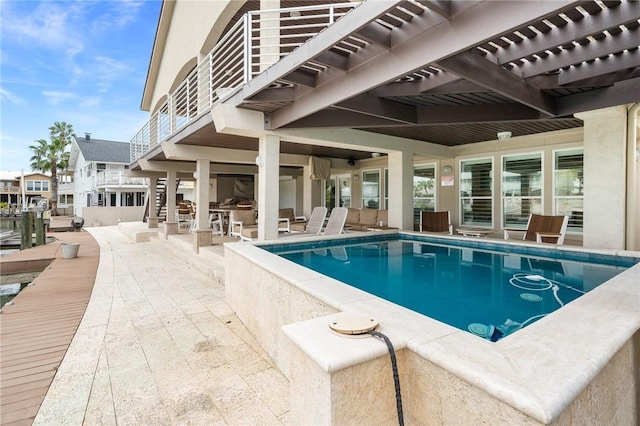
[375, 154]
[259, 161]
[503, 136]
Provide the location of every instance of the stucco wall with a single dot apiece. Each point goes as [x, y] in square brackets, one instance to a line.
[183, 46]
[107, 216]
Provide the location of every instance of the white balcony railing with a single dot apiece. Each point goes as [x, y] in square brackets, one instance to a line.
[254, 43]
[117, 178]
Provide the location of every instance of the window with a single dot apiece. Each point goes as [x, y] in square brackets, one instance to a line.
[386, 188]
[101, 166]
[37, 185]
[568, 186]
[371, 189]
[521, 189]
[29, 185]
[338, 192]
[424, 190]
[476, 196]
[45, 185]
[344, 183]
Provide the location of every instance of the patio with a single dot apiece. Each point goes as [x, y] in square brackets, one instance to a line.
[159, 345]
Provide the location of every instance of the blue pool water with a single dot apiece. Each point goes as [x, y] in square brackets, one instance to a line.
[478, 289]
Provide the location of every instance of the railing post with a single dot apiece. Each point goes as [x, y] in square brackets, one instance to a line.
[247, 47]
[331, 17]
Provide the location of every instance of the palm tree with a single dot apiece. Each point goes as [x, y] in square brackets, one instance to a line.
[51, 156]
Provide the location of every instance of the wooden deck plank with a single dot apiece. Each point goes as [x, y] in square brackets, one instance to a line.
[22, 396]
[8, 364]
[27, 356]
[36, 330]
[24, 387]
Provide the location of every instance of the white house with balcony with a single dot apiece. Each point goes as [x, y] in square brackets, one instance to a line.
[103, 193]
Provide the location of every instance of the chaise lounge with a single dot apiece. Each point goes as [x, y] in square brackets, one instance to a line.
[543, 229]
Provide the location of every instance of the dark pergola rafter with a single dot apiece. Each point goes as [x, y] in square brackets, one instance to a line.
[402, 63]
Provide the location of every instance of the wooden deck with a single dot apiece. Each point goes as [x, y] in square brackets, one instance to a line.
[37, 329]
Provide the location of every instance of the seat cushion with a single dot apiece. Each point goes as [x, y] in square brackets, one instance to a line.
[298, 226]
[286, 213]
[250, 232]
[247, 217]
[383, 216]
[353, 216]
[368, 216]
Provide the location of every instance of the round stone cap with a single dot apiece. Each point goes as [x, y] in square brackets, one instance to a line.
[353, 324]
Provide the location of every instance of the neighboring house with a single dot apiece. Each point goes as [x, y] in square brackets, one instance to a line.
[10, 192]
[487, 117]
[37, 187]
[100, 180]
[65, 192]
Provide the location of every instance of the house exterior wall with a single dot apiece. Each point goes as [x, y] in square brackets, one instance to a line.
[605, 177]
[204, 21]
[81, 186]
[36, 177]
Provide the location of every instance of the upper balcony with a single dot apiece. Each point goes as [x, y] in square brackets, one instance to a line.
[254, 43]
[117, 178]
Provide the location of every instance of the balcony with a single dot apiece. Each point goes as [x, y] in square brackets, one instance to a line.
[256, 41]
[10, 189]
[117, 178]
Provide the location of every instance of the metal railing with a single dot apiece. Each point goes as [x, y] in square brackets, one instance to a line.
[254, 43]
[117, 178]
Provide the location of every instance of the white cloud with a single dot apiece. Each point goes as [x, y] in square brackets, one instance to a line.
[91, 102]
[50, 25]
[120, 14]
[107, 70]
[14, 99]
[55, 97]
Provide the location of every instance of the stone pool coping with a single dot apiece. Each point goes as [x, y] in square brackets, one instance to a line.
[539, 371]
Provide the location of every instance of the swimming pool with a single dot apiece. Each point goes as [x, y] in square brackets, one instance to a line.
[578, 363]
[490, 293]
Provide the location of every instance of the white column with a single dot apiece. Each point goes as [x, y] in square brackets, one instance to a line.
[202, 194]
[268, 187]
[604, 177]
[171, 196]
[312, 192]
[401, 190]
[153, 185]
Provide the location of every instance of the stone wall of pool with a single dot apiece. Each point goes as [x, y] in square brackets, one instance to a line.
[578, 365]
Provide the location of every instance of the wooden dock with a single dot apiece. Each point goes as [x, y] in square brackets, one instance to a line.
[37, 328]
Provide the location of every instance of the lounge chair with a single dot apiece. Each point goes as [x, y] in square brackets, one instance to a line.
[543, 229]
[436, 222]
[316, 221]
[336, 222]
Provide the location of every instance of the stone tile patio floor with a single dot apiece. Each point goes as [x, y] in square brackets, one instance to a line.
[158, 345]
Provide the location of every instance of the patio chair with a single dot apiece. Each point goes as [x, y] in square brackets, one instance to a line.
[337, 219]
[289, 222]
[242, 224]
[543, 229]
[183, 217]
[216, 224]
[436, 222]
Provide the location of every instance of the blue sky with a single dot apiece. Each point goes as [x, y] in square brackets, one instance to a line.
[83, 62]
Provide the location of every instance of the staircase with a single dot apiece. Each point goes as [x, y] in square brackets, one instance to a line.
[161, 200]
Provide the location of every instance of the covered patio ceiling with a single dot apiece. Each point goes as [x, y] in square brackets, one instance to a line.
[455, 72]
